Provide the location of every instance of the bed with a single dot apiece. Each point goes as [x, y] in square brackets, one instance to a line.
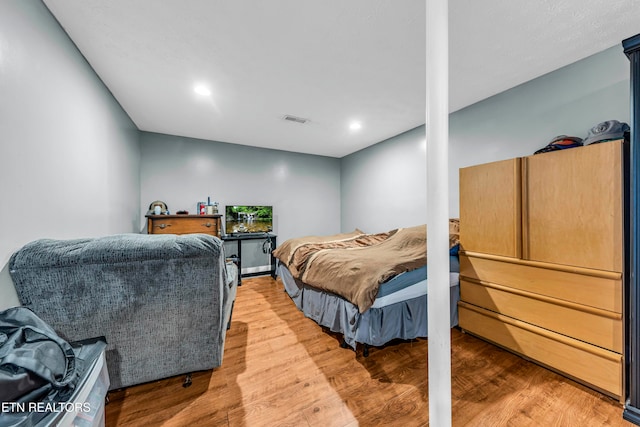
[371, 288]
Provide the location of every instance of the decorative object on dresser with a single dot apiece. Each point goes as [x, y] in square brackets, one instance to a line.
[541, 261]
[184, 224]
[158, 208]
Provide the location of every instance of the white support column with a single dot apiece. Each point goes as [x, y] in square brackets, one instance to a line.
[437, 131]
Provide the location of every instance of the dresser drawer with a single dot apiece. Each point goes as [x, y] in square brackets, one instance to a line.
[595, 326]
[593, 365]
[593, 288]
[183, 225]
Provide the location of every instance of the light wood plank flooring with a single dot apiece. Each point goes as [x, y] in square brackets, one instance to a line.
[282, 369]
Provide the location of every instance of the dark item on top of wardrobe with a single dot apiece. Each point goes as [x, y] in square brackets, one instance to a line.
[561, 142]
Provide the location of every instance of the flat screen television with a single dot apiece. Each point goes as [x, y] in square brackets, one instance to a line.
[248, 219]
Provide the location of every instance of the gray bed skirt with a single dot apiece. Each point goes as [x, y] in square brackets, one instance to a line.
[402, 320]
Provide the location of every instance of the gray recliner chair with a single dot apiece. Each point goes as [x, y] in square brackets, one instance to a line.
[163, 302]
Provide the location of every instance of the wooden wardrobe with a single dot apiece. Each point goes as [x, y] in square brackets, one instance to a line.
[541, 266]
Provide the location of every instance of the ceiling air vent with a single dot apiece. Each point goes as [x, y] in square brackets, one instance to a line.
[295, 119]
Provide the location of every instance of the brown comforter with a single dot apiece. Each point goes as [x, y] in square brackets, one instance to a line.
[296, 254]
[356, 273]
[298, 259]
[354, 265]
[285, 251]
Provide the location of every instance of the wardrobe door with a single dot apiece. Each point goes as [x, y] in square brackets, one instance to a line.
[490, 208]
[572, 207]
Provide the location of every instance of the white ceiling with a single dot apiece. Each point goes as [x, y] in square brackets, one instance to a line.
[330, 61]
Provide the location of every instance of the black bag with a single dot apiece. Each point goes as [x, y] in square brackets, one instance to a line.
[35, 363]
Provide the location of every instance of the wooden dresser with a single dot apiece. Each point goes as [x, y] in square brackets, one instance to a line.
[184, 224]
[542, 260]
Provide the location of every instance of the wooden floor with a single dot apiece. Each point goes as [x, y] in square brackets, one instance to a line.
[282, 369]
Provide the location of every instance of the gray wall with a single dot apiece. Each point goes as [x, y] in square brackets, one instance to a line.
[304, 190]
[384, 186]
[69, 155]
[72, 165]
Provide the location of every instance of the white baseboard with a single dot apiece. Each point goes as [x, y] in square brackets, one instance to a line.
[256, 269]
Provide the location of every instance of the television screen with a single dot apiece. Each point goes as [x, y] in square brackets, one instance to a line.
[248, 219]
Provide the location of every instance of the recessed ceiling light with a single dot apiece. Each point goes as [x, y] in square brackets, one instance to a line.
[355, 126]
[202, 90]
